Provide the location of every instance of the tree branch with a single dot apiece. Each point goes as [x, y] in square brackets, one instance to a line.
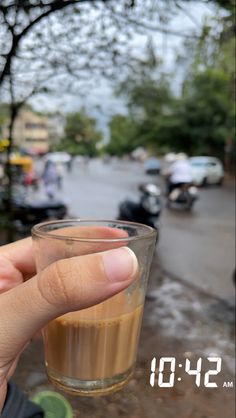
[149, 27]
[55, 6]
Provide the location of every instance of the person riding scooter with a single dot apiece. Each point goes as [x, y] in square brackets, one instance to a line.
[180, 173]
[181, 194]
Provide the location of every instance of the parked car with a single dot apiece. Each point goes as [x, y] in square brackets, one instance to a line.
[207, 170]
[152, 166]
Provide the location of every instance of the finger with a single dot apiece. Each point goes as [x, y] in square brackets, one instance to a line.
[84, 240]
[3, 391]
[17, 261]
[91, 232]
[20, 255]
[66, 285]
[9, 275]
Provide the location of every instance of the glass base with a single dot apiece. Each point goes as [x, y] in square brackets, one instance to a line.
[99, 387]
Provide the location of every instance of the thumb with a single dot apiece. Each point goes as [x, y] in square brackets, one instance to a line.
[66, 285]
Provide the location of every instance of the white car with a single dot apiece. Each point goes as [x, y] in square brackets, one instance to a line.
[207, 170]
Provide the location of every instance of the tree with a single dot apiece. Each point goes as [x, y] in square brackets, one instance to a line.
[39, 53]
[81, 135]
[54, 46]
[123, 135]
[149, 102]
[202, 119]
[21, 19]
[209, 85]
[4, 109]
[198, 122]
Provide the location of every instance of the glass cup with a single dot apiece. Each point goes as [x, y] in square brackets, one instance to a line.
[93, 351]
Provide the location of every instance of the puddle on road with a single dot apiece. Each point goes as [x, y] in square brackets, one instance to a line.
[184, 313]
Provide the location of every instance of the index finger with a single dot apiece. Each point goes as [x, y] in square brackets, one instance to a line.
[69, 242]
[20, 254]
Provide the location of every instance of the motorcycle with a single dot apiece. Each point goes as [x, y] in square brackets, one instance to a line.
[26, 213]
[182, 197]
[147, 210]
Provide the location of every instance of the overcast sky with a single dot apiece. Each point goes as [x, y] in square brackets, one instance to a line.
[100, 101]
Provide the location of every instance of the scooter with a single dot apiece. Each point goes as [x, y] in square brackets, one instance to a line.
[182, 198]
[147, 210]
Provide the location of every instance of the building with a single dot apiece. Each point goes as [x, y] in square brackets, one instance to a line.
[30, 132]
[56, 128]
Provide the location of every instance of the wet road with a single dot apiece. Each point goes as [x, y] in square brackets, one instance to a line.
[197, 248]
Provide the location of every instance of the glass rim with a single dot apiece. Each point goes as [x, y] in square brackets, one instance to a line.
[36, 230]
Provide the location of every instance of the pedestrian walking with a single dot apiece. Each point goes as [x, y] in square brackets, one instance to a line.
[60, 175]
[50, 178]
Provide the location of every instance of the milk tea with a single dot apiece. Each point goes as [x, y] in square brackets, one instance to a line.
[95, 343]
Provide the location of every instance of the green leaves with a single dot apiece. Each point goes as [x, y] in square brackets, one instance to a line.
[200, 121]
[81, 135]
[123, 131]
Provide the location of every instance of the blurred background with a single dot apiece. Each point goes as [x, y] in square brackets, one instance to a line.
[125, 110]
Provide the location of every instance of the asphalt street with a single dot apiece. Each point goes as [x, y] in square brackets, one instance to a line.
[197, 248]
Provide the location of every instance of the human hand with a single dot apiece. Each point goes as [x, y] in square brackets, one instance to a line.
[66, 285]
